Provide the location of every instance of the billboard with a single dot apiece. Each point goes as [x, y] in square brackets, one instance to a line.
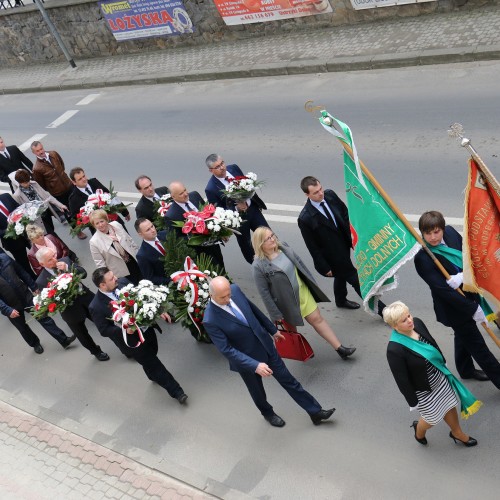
[373, 4]
[258, 11]
[131, 19]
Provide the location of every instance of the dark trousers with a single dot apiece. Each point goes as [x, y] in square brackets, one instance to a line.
[469, 345]
[252, 219]
[146, 356]
[27, 333]
[79, 329]
[64, 199]
[340, 289]
[286, 380]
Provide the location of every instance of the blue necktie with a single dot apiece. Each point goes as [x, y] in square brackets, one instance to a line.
[238, 314]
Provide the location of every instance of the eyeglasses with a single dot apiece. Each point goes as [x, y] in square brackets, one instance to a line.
[269, 238]
[217, 167]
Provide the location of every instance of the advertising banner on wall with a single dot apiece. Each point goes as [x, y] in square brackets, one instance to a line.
[373, 4]
[259, 11]
[131, 19]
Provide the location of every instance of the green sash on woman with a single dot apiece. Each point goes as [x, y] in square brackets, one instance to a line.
[456, 258]
[469, 404]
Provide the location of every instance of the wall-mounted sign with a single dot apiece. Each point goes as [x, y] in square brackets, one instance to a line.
[373, 4]
[259, 11]
[130, 19]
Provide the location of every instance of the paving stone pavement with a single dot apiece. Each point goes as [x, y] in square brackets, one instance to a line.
[463, 35]
[39, 460]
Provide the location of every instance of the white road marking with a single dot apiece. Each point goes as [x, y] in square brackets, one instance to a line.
[88, 99]
[131, 200]
[26, 144]
[63, 118]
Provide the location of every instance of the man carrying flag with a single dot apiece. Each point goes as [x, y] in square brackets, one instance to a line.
[460, 312]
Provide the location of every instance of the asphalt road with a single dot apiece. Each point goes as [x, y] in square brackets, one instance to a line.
[399, 119]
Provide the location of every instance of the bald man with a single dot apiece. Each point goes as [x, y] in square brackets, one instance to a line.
[183, 202]
[245, 336]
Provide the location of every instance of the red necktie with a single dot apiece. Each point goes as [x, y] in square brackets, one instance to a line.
[160, 248]
[4, 210]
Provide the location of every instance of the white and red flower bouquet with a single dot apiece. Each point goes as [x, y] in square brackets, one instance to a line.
[209, 225]
[59, 294]
[242, 187]
[160, 208]
[139, 306]
[25, 214]
[109, 202]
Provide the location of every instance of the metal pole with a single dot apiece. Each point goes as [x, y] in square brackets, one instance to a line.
[53, 30]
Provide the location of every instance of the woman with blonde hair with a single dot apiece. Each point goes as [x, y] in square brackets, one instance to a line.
[420, 371]
[39, 239]
[112, 247]
[288, 289]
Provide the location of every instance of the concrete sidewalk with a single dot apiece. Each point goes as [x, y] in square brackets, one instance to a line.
[40, 460]
[465, 35]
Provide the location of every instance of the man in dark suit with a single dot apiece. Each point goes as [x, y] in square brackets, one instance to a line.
[16, 246]
[151, 252]
[146, 354]
[460, 312]
[182, 203]
[11, 160]
[82, 189]
[16, 297]
[75, 314]
[325, 227]
[244, 335]
[250, 210]
[145, 206]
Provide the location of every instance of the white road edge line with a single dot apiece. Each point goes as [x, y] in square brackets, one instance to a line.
[88, 99]
[63, 118]
[26, 144]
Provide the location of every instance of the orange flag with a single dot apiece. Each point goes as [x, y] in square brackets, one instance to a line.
[481, 245]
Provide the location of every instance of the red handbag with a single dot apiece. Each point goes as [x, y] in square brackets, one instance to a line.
[293, 346]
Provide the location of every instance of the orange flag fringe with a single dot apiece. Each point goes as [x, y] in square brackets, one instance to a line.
[481, 245]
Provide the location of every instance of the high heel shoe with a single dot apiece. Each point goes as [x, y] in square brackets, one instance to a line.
[469, 443]
[345, 352]
[420, 440]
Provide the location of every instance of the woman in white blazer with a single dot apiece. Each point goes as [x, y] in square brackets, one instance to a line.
[112, 247]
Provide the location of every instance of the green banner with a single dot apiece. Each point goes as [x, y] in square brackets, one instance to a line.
[382, 243]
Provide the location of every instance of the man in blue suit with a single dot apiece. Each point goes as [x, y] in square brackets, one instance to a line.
[151, 252]
[460, 312]
[250, 210]
[244, 335]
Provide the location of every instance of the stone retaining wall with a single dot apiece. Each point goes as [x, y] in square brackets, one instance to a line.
[25, 38]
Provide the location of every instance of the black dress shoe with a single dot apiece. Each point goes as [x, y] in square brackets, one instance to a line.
[102, 356]
[38, 349]
[345, 352]
[477, 375]
[68, 341]
[182, 398]
[420, 440]
[348, 304]
[275, 420]
[470, 442]
[317, 418]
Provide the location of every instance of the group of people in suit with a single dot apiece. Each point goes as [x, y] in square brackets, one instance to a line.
[242, 333]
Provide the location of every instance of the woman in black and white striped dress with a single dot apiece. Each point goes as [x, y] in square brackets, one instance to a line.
[424, 386]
